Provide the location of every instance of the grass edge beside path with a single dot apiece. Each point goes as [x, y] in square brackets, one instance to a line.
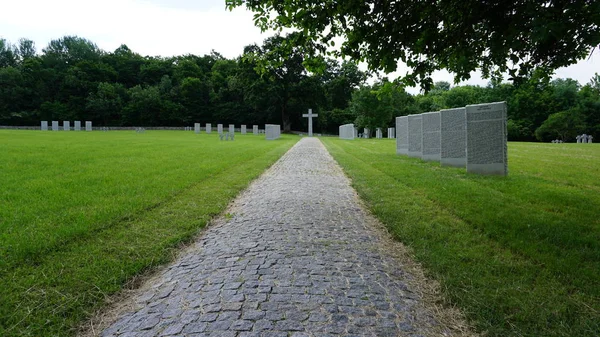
[69, 286]
[501, 292]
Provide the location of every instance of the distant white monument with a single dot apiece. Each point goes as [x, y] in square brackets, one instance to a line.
[310, 116]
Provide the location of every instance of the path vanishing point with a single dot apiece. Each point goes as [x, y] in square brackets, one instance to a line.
[297, 255]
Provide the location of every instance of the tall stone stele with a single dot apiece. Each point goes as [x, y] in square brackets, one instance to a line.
[454, 137]
[431, 136]
[487, 139]
[415, 136]
[402, 135]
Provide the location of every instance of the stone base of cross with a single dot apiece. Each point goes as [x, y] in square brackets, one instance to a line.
[310, 116]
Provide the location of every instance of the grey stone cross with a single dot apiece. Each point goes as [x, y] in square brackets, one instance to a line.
[310, 116]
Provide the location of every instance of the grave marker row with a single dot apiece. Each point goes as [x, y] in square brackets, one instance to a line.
[66, 126]
[474, 136]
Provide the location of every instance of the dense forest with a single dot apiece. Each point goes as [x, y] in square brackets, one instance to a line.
[73, 79]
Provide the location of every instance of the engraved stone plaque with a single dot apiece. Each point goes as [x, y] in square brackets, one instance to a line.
[66, 125]
[77, 126]
[54, 125]
[486, 139]
[197, 127]
[454, 137]
[88, 126]
[415, 136]
[243, 130]
[402, 135]
[431, 136]
[208, 128]
[219, 128]
[44, 126]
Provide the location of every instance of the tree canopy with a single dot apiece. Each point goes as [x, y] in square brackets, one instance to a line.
[514, 37]
[72, 79]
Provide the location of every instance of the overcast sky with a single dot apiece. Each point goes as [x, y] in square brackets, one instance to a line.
[167, 28]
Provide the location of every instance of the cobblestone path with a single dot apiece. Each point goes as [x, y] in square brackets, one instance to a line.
[296, 256]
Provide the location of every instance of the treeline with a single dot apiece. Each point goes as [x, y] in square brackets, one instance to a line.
[72, 79]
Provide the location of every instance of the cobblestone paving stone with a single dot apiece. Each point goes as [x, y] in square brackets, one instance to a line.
[296, 257]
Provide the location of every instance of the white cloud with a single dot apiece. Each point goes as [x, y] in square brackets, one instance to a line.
[146, 27]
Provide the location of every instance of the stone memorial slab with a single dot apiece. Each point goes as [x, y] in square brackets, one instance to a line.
[255, 130]
[378, 133]
[231, 128]
[54, 125]
[272, 131]
[219, 128]
[402, 135]
[66, 125]
[454, 137]
[208, 128]
[243, 131]
[88, 126]
[486, 139]
[310, 116]
[590, 139]
[415, 136]
[77, 126]
[197, 127]
[431, 136]
[347, 131]
[366, 133]
[391, 133]
[44, 126]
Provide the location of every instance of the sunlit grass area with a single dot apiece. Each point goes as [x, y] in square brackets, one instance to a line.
[81, 213]
[520, 255]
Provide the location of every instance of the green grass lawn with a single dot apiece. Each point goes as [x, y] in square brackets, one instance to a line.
[81, 213]
[520, 255]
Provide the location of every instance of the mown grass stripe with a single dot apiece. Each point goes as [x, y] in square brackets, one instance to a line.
[505, 288]
[65, 285]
